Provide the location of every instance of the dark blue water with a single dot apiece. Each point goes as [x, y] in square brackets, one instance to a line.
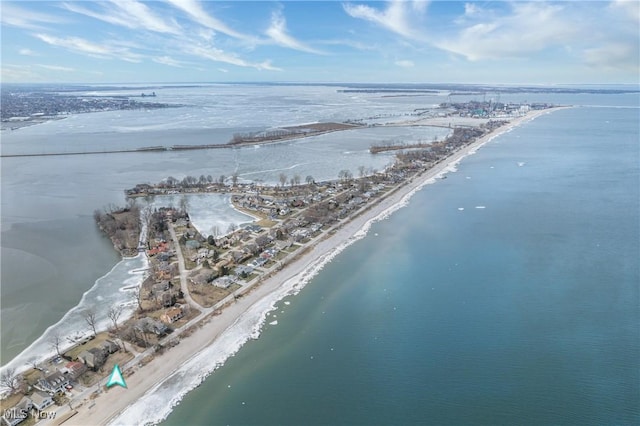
[524, 312]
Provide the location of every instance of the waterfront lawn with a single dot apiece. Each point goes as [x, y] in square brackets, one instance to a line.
[11, 400]
[208, 295]
[97, 342]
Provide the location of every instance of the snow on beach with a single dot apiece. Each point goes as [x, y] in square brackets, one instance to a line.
[115, 288]
[156, 404]
[153, 391]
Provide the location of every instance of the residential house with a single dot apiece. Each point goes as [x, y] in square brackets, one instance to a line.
[149, 325]
[74, 369]
[172, 315]
[244, 269]
[263, 240]
[18, 413]
[168, 299]
[93, 358]
[41, 400]
[53, 383]
[223, 282]
[239, 256]
[160, 287]
[164, 256]
[252, 248]
[109, 346]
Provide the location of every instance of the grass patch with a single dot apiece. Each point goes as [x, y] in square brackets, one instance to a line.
[208, 295]
[97, 342]
[266, 223]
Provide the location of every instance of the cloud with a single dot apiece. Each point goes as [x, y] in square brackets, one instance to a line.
[405, 63]
[277, 31]
[195, 11]
[530, 27]
[18, 73]
[129, 14]
[614, 56]
[27, 52]
[56, 68]
[167, 60]
[395, 18]
[25, 19]
[218, 55]
[79, 45]
[629, 7]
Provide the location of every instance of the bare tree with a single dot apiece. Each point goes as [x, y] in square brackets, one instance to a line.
[362, 171]
[184, 204]
[138, 297]
[232, 227]
[34, 363]
[234, 179]
[9, 380]
[283, 179]
[309, 179]
[114, 313]
[90, 318]
[296, 179]
[221, 179]
[55, 342]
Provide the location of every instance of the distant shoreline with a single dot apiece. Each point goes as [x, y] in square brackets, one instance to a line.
[317, 130]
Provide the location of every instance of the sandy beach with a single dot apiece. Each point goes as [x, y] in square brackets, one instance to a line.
[110, 404]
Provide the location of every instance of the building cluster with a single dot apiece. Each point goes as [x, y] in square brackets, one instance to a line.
[489, 109]
[20, 105]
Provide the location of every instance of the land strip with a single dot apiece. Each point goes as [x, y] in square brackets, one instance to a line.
[116, 400]
[340, 208]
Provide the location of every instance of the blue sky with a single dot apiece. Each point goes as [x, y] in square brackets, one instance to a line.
[513, 42]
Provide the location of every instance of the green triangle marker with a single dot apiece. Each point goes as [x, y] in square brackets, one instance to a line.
[116, 378]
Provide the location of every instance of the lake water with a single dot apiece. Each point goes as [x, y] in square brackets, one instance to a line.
[507, 293]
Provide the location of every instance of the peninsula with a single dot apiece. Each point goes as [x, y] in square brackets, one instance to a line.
[200, 285]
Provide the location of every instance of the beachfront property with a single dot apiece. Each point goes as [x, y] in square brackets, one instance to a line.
[41, 400]
[53, 383]
[18, 413]
[74, 369]
[93, 358]
[172, 315]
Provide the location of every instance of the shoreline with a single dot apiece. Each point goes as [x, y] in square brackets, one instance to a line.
[289, 280]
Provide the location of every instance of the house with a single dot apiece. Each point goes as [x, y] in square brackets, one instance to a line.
[244, 269]
[172, 315]
[41, 400]
[222, 282]
[160, 287]
[93, 358]
[18, 413]
[149, 325]
[109, 347]
[168, 299]
[53, 383]
[74, 369]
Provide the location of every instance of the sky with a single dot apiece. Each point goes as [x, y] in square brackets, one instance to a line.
[491, 42]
